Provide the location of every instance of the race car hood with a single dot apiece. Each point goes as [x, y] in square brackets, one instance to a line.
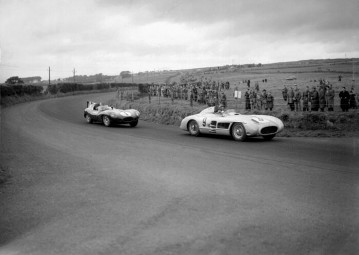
[123, 113]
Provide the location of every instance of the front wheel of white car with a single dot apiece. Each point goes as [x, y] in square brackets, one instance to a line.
[238, 132]
[106, 121]
[88, 118]
[193, 128]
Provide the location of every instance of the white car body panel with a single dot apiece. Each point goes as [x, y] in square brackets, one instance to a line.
[221, 123]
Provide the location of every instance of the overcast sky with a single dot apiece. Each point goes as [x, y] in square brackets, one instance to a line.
[110, 36]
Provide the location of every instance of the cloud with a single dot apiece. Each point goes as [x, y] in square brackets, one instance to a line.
[109, 35]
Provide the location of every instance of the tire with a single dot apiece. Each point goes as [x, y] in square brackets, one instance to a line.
[134, 123]
[193, 128]
[88, 119]
[268, 137]
[106, 120]
[238, 132]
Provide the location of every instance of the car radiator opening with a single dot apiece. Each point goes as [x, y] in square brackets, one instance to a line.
[269, 130]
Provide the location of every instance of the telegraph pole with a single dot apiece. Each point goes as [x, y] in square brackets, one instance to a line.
[49, 76]
[74, 72]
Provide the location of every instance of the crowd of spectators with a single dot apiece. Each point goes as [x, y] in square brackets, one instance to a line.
[204, 92]
[260, 100]
[319, 99]
[207, 92]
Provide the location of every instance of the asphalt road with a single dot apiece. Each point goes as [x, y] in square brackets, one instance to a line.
[79, 188]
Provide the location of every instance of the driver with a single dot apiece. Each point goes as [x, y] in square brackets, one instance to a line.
[219, 109]
[96, 106]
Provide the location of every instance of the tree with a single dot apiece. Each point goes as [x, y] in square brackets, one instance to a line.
[125, 74]
[14, 80]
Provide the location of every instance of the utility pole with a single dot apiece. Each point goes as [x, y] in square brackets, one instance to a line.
[353, 79]
[74, 72]
[49, 76]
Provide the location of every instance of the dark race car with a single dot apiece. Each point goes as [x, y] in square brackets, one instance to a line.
[108, 115]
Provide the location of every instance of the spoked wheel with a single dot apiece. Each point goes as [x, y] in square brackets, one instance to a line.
[193, 128]
[88, 119]
[238, 132]
[106, 121]
[268, 137]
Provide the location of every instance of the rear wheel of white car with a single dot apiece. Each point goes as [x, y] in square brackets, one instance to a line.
[268, 137]
[88, 118]
[238, 132]
[193, 128]
[106, 121]
[134, 123]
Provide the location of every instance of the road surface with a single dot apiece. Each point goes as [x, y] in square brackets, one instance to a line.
[79, 188]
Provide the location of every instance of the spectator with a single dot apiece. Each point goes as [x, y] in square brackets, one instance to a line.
[264, 99]
[321, 94]
[270, 101]
[259, 101]
[252, 98]
[247, 98]
[223, 100]
[329, 97]
[291, 99]
[257, 86]
[306, 99]
[285, 93]
[344, 99]
[314, 99]
[352, 100]
[297, 98]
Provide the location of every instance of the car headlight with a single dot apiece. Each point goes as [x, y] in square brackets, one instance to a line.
[137, 113]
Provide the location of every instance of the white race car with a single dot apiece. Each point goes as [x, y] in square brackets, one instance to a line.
[96, 112]
[231, 123]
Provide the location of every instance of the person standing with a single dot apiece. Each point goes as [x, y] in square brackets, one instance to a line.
[264, 99]
[270, 101]
[252, 98]
[297, 98]
[247, 98]
[259, 101]
[314, 99]
[329, 97]
[321, 94]
[223, 100]
[291, 99]
[352, 100]
[306, 98]
[285, 93]
[344, 99]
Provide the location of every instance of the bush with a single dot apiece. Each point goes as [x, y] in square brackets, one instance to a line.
[6, 91]
[284, 117]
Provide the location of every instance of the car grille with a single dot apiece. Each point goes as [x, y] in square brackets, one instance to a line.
[269, 130]
[128, 119]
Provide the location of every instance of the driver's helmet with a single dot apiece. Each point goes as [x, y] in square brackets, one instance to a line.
[96, 106]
